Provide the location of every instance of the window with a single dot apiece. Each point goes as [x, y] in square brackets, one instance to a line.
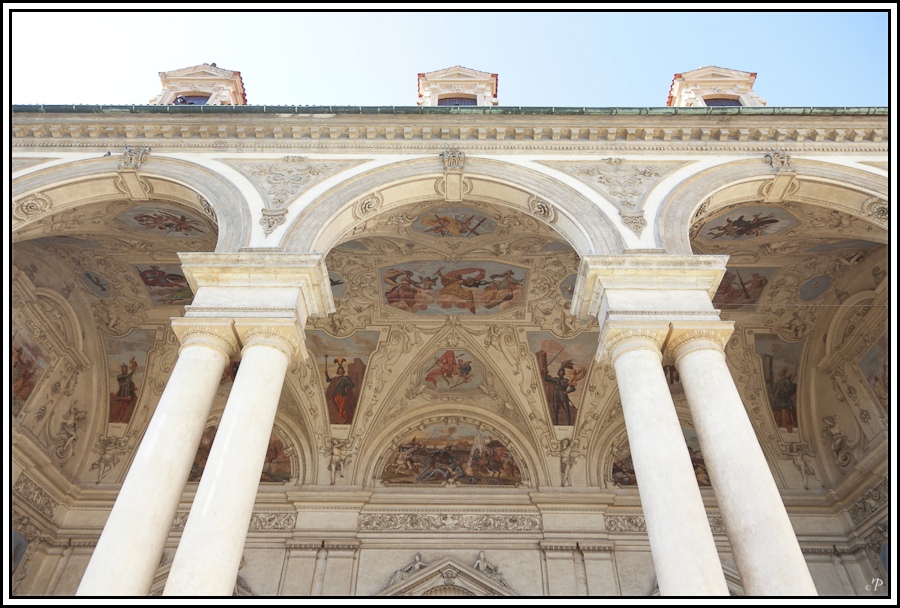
[191, 100]
[457, 101]
[721, 101]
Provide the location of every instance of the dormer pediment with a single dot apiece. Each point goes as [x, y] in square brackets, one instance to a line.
[204, 70]
[448, 578]
[457, 83]
[204, 84]
[713, 85]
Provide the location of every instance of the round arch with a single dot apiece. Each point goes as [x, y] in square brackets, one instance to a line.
[323, 223]
[68, 186]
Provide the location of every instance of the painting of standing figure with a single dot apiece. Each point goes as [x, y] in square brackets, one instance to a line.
[28, 365]
[342, 366]
[127, 365]
[563, 366]
[780, 362]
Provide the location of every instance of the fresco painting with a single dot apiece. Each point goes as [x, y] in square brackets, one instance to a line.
[452, 453]
[18, 546]
[875, 368]
[164, 219]
[342, 365]
[453, 370]
[567, 287]
[28, 366]
[742, 286]
[338, 285]
[747, 222]
[815, 287]
[563, 366]
[780, 363]
[454, 222]
[276, 467]
[96, 284]
[166, 284]
[126, 364]
[447, 288]
[556, 246]
[623, 474]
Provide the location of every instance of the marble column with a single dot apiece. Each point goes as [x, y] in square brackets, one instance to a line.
[765, 547]
[131, 544]
[684, 552]
[209, 554]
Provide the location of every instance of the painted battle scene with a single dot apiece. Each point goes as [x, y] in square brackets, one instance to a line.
[780, 361]
[746, 223]
[126, 359]
[623, 474]
[166, 284]
[452, 453]
[742, 286]
[276, 467]
[28, 365]
[454, 222]
[453, 370]
[563, 366]
[342, 367]
[448, 288]
[875, 368]
[164, 219]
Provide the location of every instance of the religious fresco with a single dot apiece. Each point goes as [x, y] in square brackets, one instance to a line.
[746, 223]
[342, 366]
[876, 370]
[454, 222]
[28, 365]
[452, 453]
[166, 284]
[742, 286]
[168, 220]
[126, 365]
[276, 467]
[96, 284]
[815, 287]
[338, 285]
[453, 370]
[623, 474]
[567, 287]
[780, 362]
[18, 546]
[563, 365]
[449, 288]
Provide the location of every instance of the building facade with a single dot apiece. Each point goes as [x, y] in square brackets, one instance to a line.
[449, 349]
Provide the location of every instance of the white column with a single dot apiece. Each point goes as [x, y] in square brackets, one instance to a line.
[765, 547]
[127, 555]
[209, 554]
[684, 552]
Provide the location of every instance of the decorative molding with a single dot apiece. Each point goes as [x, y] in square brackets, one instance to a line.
[711, 335]
[281, 182]
[133, 158]
[189, 330]
[616, 337]
[453, 159]
[877, 209]
[283, 335]
[448, 522]
[273, 521]
[542, 209]
[272, 219]
[876, 539]
[625, 523]
[780, 161]
[35, 495]
[869, 503]
[32, 206]
[635, 223]
[368, 205]
[716, 524]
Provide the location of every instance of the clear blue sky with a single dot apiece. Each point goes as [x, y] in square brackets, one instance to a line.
[542, 58]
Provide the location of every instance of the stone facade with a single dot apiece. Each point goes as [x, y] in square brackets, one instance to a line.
[577, 352]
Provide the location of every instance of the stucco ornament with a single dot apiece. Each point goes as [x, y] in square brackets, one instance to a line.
[133, 158]
[779, 161]
[31, 206]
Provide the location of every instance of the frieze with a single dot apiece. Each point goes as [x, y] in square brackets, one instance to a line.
[448, 522]
[625, 523]
[35, 495]
[273, 521]
[870, 502]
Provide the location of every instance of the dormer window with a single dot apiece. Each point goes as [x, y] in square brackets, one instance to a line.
[458, 101]
[191, 100]
[721, 101]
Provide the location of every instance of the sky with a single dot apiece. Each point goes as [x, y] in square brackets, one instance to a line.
[558, 59]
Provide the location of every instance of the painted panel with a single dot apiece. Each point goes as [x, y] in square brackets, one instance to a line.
[876, 370]
[453, 370]
[742, 286]
[18, 546]
[815, 287]
[747, 222]
[569, 361]
[276, 466]
[623, 474]
[96, 284]
[126, 364]
[168, 220]
[459, 453]
[449, 288]
[454, 222]
[780, 362]
[29, 363]
[166, 284]
[342, 363]
[338, 285]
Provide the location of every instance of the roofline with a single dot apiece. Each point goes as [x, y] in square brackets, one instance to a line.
[471, 110]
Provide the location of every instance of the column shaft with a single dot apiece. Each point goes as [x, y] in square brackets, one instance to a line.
[209, 553]
[765, 547]
[129, 549]
[684, 552]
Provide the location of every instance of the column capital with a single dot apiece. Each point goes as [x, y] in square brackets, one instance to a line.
[686, 337]
[217, 333]
[280, 333]
[619, 337]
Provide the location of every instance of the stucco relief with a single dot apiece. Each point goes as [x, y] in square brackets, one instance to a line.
[35, 495]
[440, 522]
[281, 182]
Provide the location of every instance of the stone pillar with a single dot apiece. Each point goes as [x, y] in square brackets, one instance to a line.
[765, 547]
[131, 544]
[684, 552]
[209, 554]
